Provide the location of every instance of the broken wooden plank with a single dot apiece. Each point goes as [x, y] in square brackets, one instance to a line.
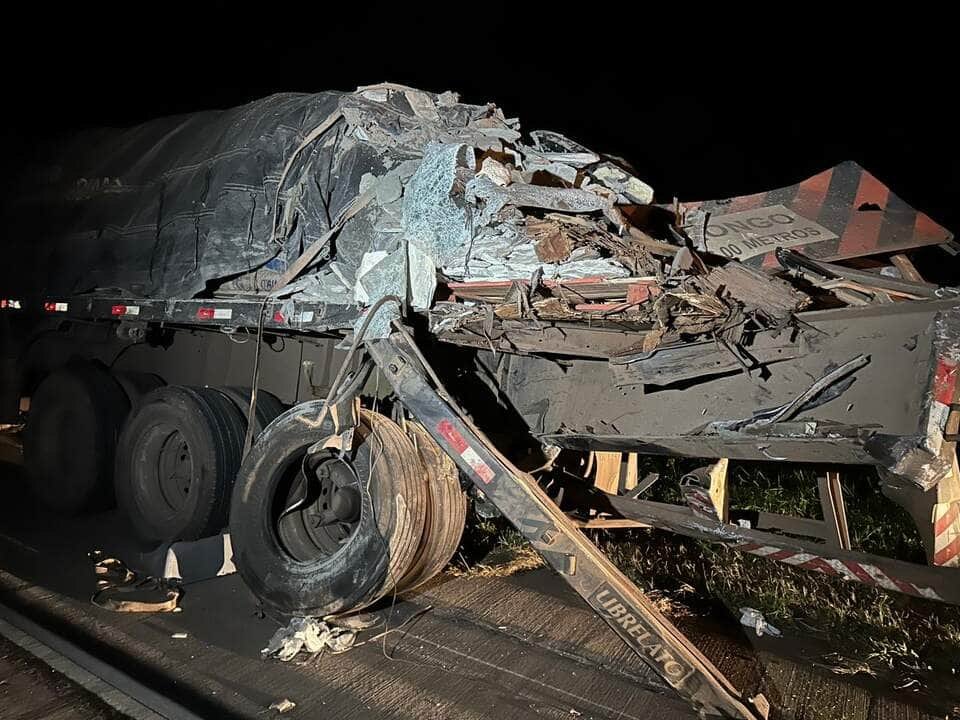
[753, 288]
[719, 484]
[549, 339]
[631, 477]
[607, 475]
[908, 270]
[609, 524]
[818, 272]
[592, 288]
[834, 510]
[654, 247]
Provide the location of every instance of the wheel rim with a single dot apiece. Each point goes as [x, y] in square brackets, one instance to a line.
[317, 507]
[174, 469]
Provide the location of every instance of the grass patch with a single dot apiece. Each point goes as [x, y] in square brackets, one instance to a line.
[865, 630]
[870, 630]
[493, 548]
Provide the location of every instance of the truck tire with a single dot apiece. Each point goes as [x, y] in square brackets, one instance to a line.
[69, 442]
[446, 514]
[137, 384]
[177, 460]
[356, 531]
[269, 407]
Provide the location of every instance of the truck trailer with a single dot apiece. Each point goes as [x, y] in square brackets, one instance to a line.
[325, 323]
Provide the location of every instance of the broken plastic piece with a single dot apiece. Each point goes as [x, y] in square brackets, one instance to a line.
[308, 634]
[282, 706]
[754, 619]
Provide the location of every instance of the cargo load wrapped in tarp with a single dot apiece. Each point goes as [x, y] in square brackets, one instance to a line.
[348, 197]
[228, 200]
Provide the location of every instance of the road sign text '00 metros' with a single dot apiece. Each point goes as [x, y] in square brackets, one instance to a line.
[629, 623]
[743, 235]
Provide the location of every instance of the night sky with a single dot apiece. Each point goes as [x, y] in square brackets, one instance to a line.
[702, 106]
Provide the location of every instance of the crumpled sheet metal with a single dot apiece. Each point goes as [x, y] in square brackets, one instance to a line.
[946, 376]
[918, 458]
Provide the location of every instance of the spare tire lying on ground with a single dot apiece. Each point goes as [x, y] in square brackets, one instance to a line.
[176, 462]
[70, 437]
[322, 534]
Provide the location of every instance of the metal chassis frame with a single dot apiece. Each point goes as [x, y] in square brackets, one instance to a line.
[707, 517]
[518, 497]
[230, 313]
[924, 581]
[559, 540]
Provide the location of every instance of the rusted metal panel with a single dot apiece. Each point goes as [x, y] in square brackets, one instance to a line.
[578, 403]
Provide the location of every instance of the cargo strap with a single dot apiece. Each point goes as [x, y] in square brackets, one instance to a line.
[114, 577]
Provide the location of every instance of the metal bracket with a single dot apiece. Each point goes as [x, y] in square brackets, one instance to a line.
[344, 409]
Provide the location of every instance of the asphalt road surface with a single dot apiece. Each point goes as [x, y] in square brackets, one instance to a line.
[467, 647]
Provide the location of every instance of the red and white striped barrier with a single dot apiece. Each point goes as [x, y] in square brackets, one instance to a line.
[700, 502]
[943, 391]
[946, 534]
[860, 572]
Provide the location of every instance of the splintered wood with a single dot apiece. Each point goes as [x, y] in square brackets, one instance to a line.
[754, 289]
[550, 241]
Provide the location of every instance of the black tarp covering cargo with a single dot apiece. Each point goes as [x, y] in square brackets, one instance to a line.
[163, 208]
[167, 208]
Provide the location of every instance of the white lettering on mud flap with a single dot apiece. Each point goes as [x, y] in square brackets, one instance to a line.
[745, 234]
[630, 625]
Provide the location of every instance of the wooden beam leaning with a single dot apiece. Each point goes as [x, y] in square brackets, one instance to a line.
[719, 488]
[906, 268]
[632, 476]
[834, 510]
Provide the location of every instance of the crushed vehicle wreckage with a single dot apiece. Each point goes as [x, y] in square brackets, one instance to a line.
[546, 286]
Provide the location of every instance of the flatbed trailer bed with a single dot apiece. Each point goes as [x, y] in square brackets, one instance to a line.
[556, 536]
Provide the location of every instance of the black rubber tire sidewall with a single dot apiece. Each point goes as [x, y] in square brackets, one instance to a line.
[355, 575]
[269, 407]
[71, 436]
[213, 429]
[137, 385]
